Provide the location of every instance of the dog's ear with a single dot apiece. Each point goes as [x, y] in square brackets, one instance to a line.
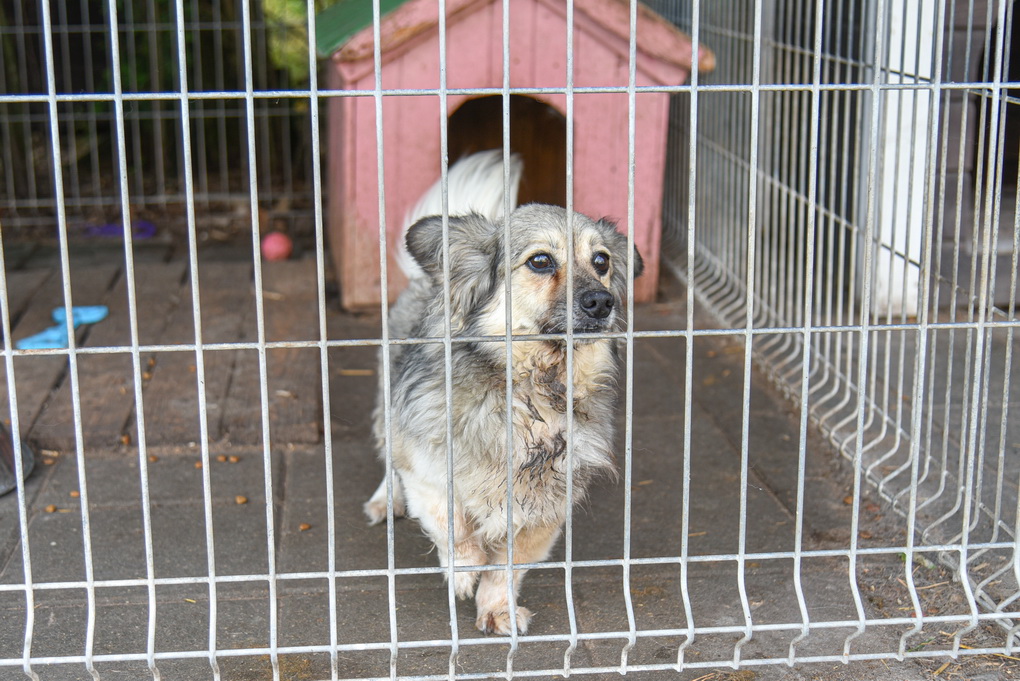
[639, 263]
[424, 241]
[620, 245]
[475, 256]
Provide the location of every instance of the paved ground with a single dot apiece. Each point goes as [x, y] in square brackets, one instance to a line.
[242, 554]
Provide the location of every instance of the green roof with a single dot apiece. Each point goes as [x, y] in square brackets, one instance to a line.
[335, 25]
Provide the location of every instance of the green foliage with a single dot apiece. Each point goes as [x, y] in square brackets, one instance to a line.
[287, 22]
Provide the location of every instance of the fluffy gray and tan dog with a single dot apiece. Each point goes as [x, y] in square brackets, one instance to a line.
[538, 255]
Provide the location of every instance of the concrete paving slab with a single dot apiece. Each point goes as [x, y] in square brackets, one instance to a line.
[114, 479]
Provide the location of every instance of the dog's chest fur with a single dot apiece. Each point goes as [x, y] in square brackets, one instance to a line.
[539, 424]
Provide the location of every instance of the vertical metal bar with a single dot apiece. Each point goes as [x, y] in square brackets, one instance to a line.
[922, 334]
[159, 164]
[939, 224]
[952, 304]
[6, 140]
[865, 323]
[1010, 334]
[63, 22]
[844, 175]
[974, 366]
[821, 354]
[508, 341]
[692, 208]
[451, 507]
[944, 464]
[1014, 563]
[808, 319]
[221, 111]
[196, 308]
[995, 180]
[19, 473]
[320, 284]
[260, 319]
[201, 150]
[265, 112]
[977, 386]
[971, 287]
[90, 116]
[996, 159]
[890, 400]
[629, 348]
[131, 55]
[19, 469]
[136, 365]
[751, 243]
[568, 535]
[377, 98]
[72, 356]
[156, 110]
[30, 163]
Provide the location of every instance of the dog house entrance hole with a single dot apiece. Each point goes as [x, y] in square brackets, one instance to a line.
[538, 132]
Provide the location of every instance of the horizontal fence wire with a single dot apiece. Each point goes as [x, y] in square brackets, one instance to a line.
[836, 197]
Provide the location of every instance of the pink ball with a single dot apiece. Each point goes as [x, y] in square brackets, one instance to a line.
[276, 246]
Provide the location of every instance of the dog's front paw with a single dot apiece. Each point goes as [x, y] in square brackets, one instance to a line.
[498, 621]
[464, 584]
[375, 510]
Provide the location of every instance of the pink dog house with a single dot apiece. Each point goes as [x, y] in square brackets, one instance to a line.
[474, 48]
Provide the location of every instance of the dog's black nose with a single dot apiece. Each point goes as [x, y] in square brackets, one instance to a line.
[596, 304]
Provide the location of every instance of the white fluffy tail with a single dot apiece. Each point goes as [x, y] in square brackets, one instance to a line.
[474, 185]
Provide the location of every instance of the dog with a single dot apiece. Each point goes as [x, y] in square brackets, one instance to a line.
[477, 249]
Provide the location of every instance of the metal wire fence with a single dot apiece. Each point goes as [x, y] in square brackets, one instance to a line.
[855, 168]
[837, 197]
[76, 37]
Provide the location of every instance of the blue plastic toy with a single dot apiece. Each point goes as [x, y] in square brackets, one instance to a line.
[56, 336]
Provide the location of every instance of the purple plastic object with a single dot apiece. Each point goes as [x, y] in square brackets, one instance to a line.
[140, 229]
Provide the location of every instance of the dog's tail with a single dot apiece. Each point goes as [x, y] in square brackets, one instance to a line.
[474, 185]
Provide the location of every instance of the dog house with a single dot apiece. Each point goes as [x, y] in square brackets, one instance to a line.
[411, 125]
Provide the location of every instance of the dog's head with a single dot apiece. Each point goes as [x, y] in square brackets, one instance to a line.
[538, 259]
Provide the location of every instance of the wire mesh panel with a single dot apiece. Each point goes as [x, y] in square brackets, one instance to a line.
[864, 242]
[840, 210]
[83, 69]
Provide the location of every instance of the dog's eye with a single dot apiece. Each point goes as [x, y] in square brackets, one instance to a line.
[542, 263]
[600, 261]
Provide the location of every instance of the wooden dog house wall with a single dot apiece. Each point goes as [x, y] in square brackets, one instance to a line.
[474, 59]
